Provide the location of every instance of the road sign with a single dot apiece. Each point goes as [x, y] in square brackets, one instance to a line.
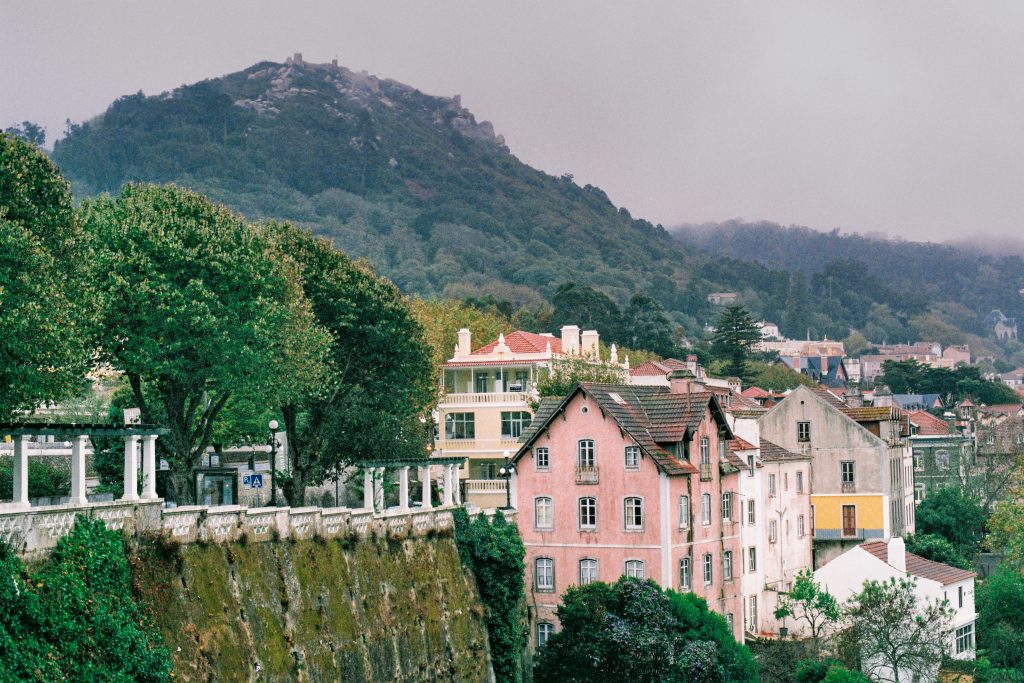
[254, 481]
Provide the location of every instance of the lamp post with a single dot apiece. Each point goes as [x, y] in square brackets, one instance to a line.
[506, 472]
[272, 442]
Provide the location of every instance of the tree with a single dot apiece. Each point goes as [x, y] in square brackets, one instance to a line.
[808, 602]
[28, 132]
[441, 320]
[899, 634]
[46, 302]
[379, 378]
[645, 326]
[937, 549]
[776, 376]
[633, 631]
[199, 307]
[955, 516]
[588, 308]
[999, 600]
[569, 371]
[735, 333]
[796, 320]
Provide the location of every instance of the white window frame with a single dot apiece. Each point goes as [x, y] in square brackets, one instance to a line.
[803, 431]
[637, 503]
[631, 454]
[843, 479]
[727, 565]
[772, 489]
[752, 464]
[965, 638]
[708, 564]
[799, 526]
[685, 573]
[705, 509]
[548, 573]
[636, 569]
[773, 531]
[463, 419]
[800, 481]
[586, 452]
[727, 506]
[684, 512]
[588, 571]
[591, 503]
[705, 451]
[751, 512]
[542, 458]
[752, 559]
[545, 629]
[538, 503]
[517, 421]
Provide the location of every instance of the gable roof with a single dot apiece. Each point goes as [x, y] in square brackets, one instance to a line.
[651, 415]
[929, 425]
[741, 444]
[755, 392]
[771, 452]
[918, 566]
[523, 342]
[653, 368]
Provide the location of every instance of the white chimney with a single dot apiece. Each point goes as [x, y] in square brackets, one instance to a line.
[614, 355]
[897, 553]
[589, 343]
[465, 342]
[570, 339]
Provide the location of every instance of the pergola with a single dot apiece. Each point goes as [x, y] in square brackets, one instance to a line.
[373, 476]
[78, 434]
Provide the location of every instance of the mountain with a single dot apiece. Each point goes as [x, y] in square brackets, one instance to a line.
[435, 200]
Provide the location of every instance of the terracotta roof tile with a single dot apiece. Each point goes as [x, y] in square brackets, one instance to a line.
[741, 444]
[871, 413]
[524, 342]
[653, 368]
[929, 425]
[918, 566]
[755, 392]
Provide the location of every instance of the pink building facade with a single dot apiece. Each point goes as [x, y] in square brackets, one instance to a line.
[634, 480]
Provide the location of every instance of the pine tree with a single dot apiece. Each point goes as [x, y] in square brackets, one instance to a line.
[735, 333]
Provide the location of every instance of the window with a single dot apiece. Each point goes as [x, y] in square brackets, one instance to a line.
[634, 510]
[585, 453]
[960, 596]
[705, 509]
[588, 571]
[543, 513]
[544, 574]
[771, 485]
[513, 423]
[459, 426]
[635, 569]
[799, 526]
[799, 482]
[708, 569]
[684, 572]
[803, 431]
[684, 512]
[919, 492]
[727, 506]
[542, 458]
[849, 520]
[846, 470]
[751, 512]
[727, 565]
[918, 462]
[942, 459]
[773, 531]
[544, 631]
[752, 612]
[632, 457]
[750, 465]
[705, 451]
[965, 639]
[588, 513]
[730, 621]
[751, 559]
[785, 481]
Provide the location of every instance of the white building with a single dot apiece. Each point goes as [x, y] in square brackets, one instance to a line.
[882, 560]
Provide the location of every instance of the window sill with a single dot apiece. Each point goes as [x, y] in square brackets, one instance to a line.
[633, 531]
[587, 530]
[543, 590]
[543, 528]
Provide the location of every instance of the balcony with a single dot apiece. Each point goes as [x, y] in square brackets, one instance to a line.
[485, 486]
[857, 534]
[705, 471]
[503, 398]
[483, 446]
[586, 475]
[848, 487]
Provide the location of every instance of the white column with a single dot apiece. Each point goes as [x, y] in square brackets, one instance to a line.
[78, 470]
[149, 467]
[368, 488]
[20, 496]
[456, 489]
[447, 499]
[131, 467]
[513, 489]
[378, 489]
[425, 476]
[403, 487]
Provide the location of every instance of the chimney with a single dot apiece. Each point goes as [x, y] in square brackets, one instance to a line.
[589, 344]
[897, 553]
[735, 384]
[854, 399]
[691, 364]
[465, 342]
[883, 396]
[570, 339]
[683, 382]
[614, 354]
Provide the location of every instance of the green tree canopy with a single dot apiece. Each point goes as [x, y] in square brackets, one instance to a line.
[46, 304]
[912, 377]
[999, 600]
[735, 333]
[633, 631]
[569, 371]
[937, 549]
[379, 378]
[647, 327]
[954, 516]
[588, 308]
[29, 132]
[808, 602]
[200, 307]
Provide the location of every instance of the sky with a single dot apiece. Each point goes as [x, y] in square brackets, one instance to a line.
[905, 117]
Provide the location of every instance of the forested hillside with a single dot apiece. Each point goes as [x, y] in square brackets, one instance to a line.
[436, 202]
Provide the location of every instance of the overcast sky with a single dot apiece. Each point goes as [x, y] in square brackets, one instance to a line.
[902, 117]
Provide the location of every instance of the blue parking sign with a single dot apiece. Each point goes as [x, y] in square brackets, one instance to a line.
[253, 481]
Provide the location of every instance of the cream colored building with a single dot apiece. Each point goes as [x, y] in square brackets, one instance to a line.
[486, 397]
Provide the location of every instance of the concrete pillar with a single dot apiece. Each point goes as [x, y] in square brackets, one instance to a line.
[456, 489]
[447, 501]
[513, 489]
[131, 468]
[20, 497]
[368, 488]
[78, 470]
[378, 490]
[149, 467]
[425, 476]
[403, 487]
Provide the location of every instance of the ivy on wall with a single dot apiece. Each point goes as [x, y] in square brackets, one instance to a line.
[494, 550]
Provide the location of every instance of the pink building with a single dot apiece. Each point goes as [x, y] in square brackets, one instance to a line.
[635, 480]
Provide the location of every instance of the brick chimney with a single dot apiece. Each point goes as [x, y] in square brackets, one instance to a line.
[589, 343]
[465, 343]
[897, 553]
[683, 382]
[570, 339]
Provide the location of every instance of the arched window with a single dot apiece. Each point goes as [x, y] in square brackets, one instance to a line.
[588, 513]
[708, 569]
[544, 631]
[543, 513]
[684, 573]
[635, 569]
[588, 571]
[544, 574]
[705, 509]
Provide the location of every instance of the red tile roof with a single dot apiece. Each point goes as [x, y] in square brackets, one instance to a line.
[929, 425]
[654, 368]
[755, 392]
[918, 566]
[1001, 409]
[524, 342]
[741, 444]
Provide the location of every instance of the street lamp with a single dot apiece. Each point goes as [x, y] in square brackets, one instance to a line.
[506, 472]
[272, 442]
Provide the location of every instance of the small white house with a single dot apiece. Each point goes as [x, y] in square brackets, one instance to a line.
[882, 560]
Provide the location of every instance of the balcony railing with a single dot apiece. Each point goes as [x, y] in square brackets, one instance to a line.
[490, 398]
[586, 475]
[705, 471]
[849, 487]
[485, 486]
[857, 534]
[506, 443]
